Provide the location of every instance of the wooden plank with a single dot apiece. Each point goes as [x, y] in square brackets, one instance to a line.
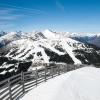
[30, 83]
[29, 72]
[31, 75]
[30, 86]
[4, 81]
[18, 75]
[42, 78]
[4, 86]
[17, 79]
[26, 81]
[29, 78]
[40, 81]
[19, 82]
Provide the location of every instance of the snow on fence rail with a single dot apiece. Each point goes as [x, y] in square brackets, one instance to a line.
[14, 87]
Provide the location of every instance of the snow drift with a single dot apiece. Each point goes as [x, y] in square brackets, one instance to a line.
[81, 84]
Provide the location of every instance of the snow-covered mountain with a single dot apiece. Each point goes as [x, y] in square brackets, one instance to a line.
[48, 46]
[87, 38]
[44, 47]
[7, 38]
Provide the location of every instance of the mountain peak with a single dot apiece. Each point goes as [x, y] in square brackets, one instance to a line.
[49, 34]
[48, 30]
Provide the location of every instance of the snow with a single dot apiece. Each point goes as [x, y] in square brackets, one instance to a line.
[69, 51]
[45, 57]
[83, 34]
[3, 72]
[26, 47]
[34, 68]
[81, 84]
[47, 45]
[7, 66]
[9, 37]
[32, 47]
[48, 34]
[11, 70]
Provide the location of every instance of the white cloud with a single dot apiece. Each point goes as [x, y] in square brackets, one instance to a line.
[6, 17]
[36, 11]
[10, 14]
[9, 17]
[60, 6]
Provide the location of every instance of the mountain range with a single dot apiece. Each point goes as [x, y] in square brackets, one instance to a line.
[20, 51]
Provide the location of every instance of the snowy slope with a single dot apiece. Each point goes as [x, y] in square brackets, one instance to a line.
[70, 52]
[92, 38]
[28, 46]
[81, 84]
[49, 47]
[4, 40]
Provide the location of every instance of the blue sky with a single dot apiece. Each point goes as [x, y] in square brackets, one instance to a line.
[58, 15]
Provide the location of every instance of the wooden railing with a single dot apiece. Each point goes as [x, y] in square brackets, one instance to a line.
[14, 87]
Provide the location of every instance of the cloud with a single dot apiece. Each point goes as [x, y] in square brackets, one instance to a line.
[6, 26]
[10, 14]
[3, 11]
[60, 6]
[36, 11]
[9, 18]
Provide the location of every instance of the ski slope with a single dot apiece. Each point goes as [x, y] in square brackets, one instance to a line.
[81, 84]
[70, 52]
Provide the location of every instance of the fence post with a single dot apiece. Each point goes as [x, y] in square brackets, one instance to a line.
[9, 86]
[52, 71]
[36, 76]
[22, 80]
[74, 67]
[45, 73]
[58, 70]
[63, 68]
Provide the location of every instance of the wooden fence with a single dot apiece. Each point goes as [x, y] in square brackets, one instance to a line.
[16, 86]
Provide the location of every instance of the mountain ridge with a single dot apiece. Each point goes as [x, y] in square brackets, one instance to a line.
[38, 47]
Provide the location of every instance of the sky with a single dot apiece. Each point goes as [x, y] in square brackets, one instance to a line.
[57, 15]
